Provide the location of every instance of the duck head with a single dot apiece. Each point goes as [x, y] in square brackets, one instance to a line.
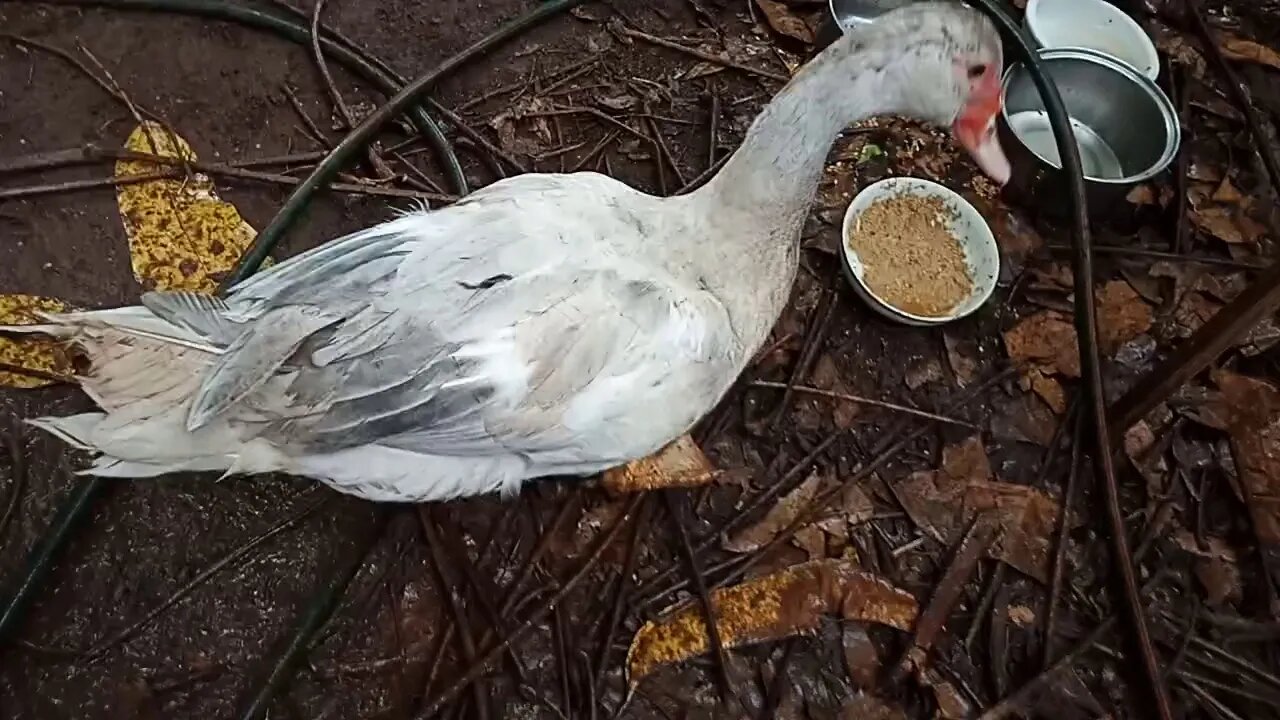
[937, 61]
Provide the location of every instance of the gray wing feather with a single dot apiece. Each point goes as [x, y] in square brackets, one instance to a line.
[253, 358]
[206, 315]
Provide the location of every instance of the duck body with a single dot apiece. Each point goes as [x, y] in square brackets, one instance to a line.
[441, 354]
[548, 324]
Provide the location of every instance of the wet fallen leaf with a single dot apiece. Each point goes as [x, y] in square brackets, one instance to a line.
[861, 658]
[778, 518]
[1252, 410]
[784, 21]
[962, 363]
[952, 704]
[1179, 49]
[1193, 310]
[1142, 194]
[1049, 390]
[1024, 418]
[1228, 224]
[1140, 447]
[680, 464]
[869, 707]
[812, 540]
[945, 501]
[40, 355]
[1237, 48]
[1044, 341]
[1021, 615]
[773, 607]
[181, 236]
[1122, 316]
[1227, 193]
[1216, 567]
[921, 371]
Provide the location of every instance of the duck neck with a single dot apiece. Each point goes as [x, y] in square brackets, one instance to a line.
[774, 173]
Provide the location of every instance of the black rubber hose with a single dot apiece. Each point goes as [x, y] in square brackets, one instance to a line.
[1086, 324]
[362, 134]
[351, 57]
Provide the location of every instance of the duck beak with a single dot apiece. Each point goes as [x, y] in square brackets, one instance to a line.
[975, 129]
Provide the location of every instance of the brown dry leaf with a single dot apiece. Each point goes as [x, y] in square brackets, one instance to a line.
[1027, 519]
[1228, 224]
[41, 355]
[1142, 194]
[1139, 446]
[773, 607]
[784, 21]
[869, 707]
[181, 236]
[1044, 341]
[1237, 48]
[680, 464]
[1024, 418]
[782, 514]
[1227, 193]
[952, 704]
[812, 540]
[1252, 409]
[922, 371]
[1180, 49]
[962, 364]
[1049, 390]
[1021, 615]
[1016, 237]
[1122, 316]
[1216, 567]
[943, 502]
[1193, 310]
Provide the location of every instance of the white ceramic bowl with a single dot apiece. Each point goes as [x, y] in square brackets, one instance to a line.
[981, 253]
[1093, 24]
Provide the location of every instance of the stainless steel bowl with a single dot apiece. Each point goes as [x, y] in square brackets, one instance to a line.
[1125, 127]
[844, 14]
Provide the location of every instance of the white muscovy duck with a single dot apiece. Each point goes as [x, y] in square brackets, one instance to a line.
[548, 324]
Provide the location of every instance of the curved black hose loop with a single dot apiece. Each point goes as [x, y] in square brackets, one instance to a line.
[351, 57]
[1086, 331]
[362, 134]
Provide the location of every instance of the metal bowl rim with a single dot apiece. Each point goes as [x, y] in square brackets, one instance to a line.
[1173, 130]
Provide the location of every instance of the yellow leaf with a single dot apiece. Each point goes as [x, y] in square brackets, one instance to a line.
[1238, 48]
[44, 357]
[680, 464]
[181, 236]
[772, 607]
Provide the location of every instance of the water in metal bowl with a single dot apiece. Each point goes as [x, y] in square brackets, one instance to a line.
[1097, 157]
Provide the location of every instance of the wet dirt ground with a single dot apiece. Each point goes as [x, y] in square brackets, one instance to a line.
[130, 623]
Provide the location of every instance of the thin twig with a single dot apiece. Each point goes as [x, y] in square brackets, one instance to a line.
[379, 166]
[448, 587]
[848, 397]
[482, 664]
[1014, 703]
[220, 170]
[308, 124]
[74, 61]
[621, 593]
[813, 342]
[1062, 539]
[676, 512]
[460, 124]
[17, 480]
[204, 575]
[701, 55]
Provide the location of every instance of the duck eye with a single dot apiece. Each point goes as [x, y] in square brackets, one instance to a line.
[977, 71]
